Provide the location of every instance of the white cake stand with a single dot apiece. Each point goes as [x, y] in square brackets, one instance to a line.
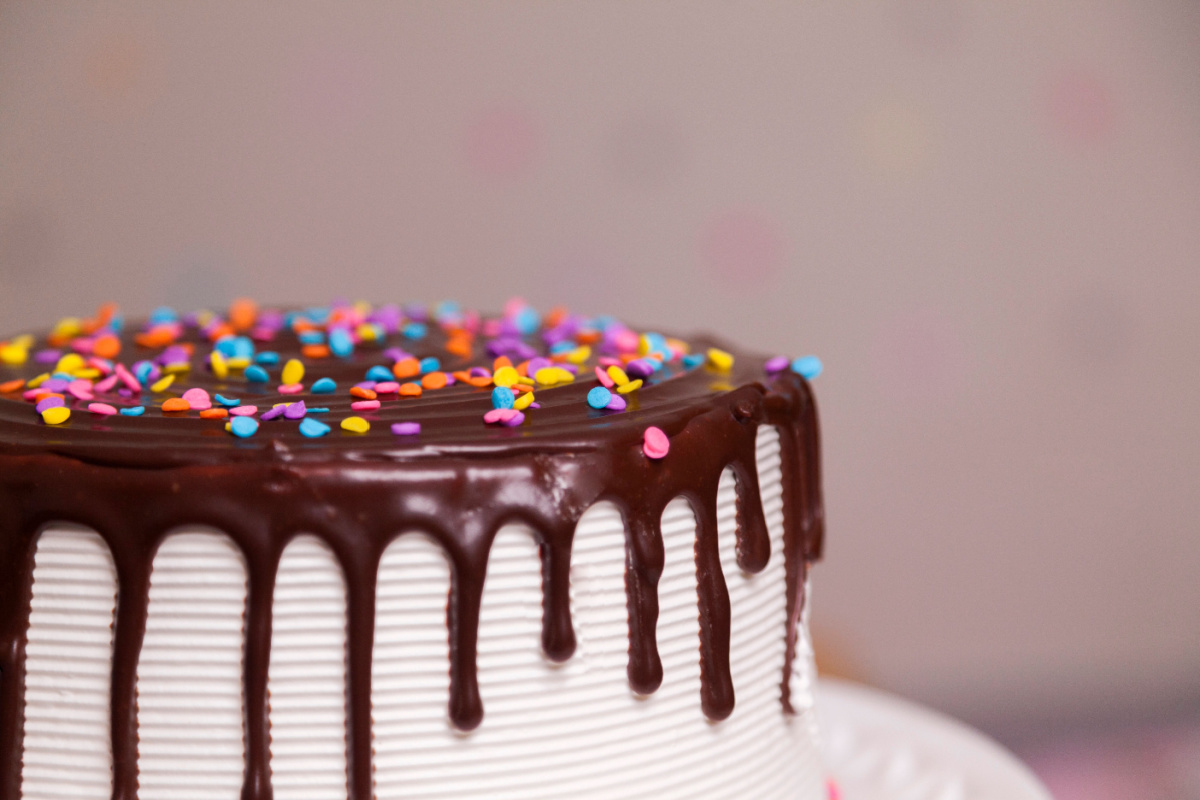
[879, 747]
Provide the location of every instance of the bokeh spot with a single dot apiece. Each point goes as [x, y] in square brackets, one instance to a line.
[919, 355]
[647, 150]
[746, 249]
[1079, 105]
[503, 142]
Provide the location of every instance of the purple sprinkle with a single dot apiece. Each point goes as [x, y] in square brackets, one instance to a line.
[55, 384]
[416, 312]
[369, 385]
[48, 402]
[535, 404]
[524, 351]
[450, 379]
[776, 364]
[616, 403]
[538, 363]
[125, 391]
[406, 428]
[639, 368]
[515, 420]
[480, 372]
[395, 354]
[47, 356]
[273, 413]
[295, 410]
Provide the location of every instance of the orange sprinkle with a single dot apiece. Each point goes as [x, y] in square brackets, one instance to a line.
[434, 380]
[107, 346]
[220, 332]
[155, 337]
[365, 394]
[105, 313]
[301, 324]
[315, 351]
[462, 375]
[42, 395]
[59, 339]
[627, 357]
[501, 361]
[176, 404]
[555, 316]
[242, 314]
[587, 337]
[11, 386]
[521, 388]
[209, 413]
[523, 369]
[407, 368]
[480, 380]
[410, 389]
[460, 346]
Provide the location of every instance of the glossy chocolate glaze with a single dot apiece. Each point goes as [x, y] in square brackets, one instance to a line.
[134, 480]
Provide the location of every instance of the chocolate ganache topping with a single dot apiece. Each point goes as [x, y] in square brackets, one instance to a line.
[135, 479]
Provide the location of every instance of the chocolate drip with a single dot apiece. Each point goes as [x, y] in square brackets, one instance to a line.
[459, 484]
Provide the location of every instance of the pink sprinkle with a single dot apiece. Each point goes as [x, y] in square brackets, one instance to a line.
[504, 415]
[127, 377]
[103, 364]
[291, 388]
[107, 384]
[83, 344]
[80, 390]
[101, 408]
[365, 405]
[243, 411]
[609, 361]
[387, 387]
[515, 420]
[655, 443]
[31, 394]
[196, 395]
[602, 376]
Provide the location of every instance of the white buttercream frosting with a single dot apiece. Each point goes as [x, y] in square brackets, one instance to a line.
[566, 731]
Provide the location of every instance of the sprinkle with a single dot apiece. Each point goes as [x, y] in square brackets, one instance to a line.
[101, 408]
[406, 428]
[127, 377]
[214, 413]
[318, 411]
[414, 330]
[268, 358]
[365, 405]
[197, 399]
[598, 397]
[524, 401]
[176, 404]
[618, 375]
[14, 355]
[505, 416]
[80, 389]
[106, 346]
[407, 368]
[640, 368]
[430, 364]
[243, 427]
[410, 389]
[293, 371]
[244, 411]
[11, 386]
[355, 425]
[53, 401]
[387, 387]
[107, 384]
[503, 397]
[776, 364]
[632, 386]
[69, 363]
[219, 366]
[378, 373]
[604, 378]
[505, 376]
[434, 380]
[295, 410]
[274, 412]
[56, 415]
[363, 393]
[256, 374]
[324, 386]
[162, 384]
[38, 381]
[133, 411]
[808, 366]
[655, 443]
[547, 376]
[719, 358]
[290, 388]
[579, 354]
[341, 343]
[228, 402]
[313, 428]
[616, 403]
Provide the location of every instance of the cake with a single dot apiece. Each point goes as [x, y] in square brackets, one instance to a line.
[418, 552]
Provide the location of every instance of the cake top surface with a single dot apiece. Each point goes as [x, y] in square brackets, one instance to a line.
[351, 380]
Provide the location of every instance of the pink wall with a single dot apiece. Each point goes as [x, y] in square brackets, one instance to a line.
[985, 217]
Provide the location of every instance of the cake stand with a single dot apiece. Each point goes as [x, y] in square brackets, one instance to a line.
[879, 747]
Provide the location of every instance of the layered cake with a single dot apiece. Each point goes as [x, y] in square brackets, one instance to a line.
[403, 552]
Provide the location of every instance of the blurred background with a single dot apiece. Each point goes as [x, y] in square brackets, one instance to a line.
[984, 217]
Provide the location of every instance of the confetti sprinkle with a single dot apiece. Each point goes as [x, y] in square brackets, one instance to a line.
[293, 372]
[632, 386]
[290, 388]
[599, 397]
[244, 411]
[808, 367]
[365, 405]
[256, 374]
[406, 428]
[503, 397]
[176, 404]
[379, 374]
[524, 401]
[228, 402]
[326, 386]
[243, 427]
[775, 365]
[355, 425]
[313, 428]
[103, 409]
[56, 415]
[162, 384]
[295, 410]
[133, 411]
[655, 443]
[720, 359]
[51, 401]
[616, 403]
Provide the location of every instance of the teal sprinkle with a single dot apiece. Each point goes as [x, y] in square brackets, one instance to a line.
[256, 374]
[379, 374]
[430, 364]
[268, 358]
[228, 402]
[693, 360]
[133, 411]
[243, 427]
[808, 366]
[324, 386]
[312, 429]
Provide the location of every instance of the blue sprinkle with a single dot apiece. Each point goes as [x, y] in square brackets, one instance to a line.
[599, 397]
[808, 366]
[414, 330]
[503, 397]
[63, 376]
[242, 427]
[312, 429]
[243, 347]
[341, 344]
[256, 374]
[268, 358]
[116, 323]
[318, 410]
[655, 364]
[226, 346]
[133, 411]
[693, 360]
[318, 314]
[527, 320]
[379, 374]
[163, 314]
[228, 402]
[324, 386]
[312, 337]
[430, 364]
[141, 371]
[559, 348]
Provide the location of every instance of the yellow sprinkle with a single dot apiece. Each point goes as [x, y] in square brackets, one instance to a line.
[56, 415]
[178, 367]
[355, 425]
[228, 427]
[162, 383]
[24, 340]
[69, 363]
[14, 355]
[506, 376]
[277, 405]
[719, 358]
[293, 371]
[522, 402]
[220, 367]
[239, 362]
[618, 375]
[366, 332]
[68, 326]
[678, 345]
[203, 318]
[579, 354]
[547, 376]
[33, 383]
[564, 375]
[643, 345]
[362, 307]
[90, 373]
[632, 386]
